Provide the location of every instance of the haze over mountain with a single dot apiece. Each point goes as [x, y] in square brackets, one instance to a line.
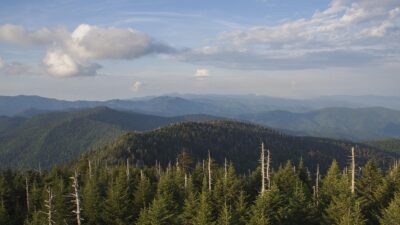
[325, 117]
[221, 105]
[341, 123]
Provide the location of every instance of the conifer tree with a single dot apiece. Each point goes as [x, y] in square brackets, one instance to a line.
[262, 212]
[391, 214]
[4, 217]
[204, 214]
[117, 210]
[157, 214]
[190, 205]
[331, 184]
[240, 215]
[92, 200]
[368, 184]
[225, 216]
[143, 193]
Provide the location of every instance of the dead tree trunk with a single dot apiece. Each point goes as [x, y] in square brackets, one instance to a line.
[186, 180]
[262, 169]
[226, 170]
[317, 186]
[209, 171]
[90, 169]
[27, 193]
[76, 198]
[49, 206]
[269, 169]
[127, 170]
[353, 170]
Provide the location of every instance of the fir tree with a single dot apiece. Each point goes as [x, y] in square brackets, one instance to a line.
[157, 214]
[204, 214]
[391, 214]
[117, 210]
[190, 205]
[225, 216]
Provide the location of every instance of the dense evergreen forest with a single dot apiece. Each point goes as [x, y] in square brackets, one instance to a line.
[195, 193]
[234, 140]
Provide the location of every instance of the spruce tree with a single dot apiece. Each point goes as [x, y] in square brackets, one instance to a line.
[142, 194]
[370, 181]
[4, 217]
[240, 215]
[92, 200]
[117, 208]
[204, 214]
[157, 214]
[225, 216]
[265, 207]
[391, 214]
[190, 206]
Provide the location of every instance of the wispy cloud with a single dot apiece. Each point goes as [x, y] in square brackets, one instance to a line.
[347, 33]
[16, 68]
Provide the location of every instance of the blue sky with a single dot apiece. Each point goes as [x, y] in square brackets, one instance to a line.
[120, 49]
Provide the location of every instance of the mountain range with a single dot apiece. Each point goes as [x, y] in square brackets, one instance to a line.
[57, 137]
[341, 117]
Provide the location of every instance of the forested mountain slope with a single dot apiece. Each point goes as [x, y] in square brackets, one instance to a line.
[342, 123]
[239, 142]
[390, 145]
[58, 137]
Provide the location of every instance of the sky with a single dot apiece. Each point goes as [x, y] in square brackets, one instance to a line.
[107, 49]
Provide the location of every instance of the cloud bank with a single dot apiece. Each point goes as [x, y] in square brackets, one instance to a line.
[347, 33]
[72, 53]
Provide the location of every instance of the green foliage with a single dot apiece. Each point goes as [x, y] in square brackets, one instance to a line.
[238, 141]
[58, 137]
[150, 196]
[340, 123]
[390, 144]
[117, 205]
[157, 214]
[391, 214]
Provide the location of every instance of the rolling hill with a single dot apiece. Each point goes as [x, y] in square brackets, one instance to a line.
[390, 144]
[239, 142]
[58, 137]
[342, 123]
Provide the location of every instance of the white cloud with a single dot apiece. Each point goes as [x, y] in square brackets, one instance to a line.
[15, 34]
[70, 53]
[202, 73]
[93, 42]
[59, 63]
[136, 86]
[347, 33]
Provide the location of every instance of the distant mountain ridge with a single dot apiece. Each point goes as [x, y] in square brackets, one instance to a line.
[324, 117]
[219, 105]
[341, 123]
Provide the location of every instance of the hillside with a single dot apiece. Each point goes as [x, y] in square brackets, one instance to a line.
[341, 123]
[332, 117]
[58, 137]
[236, 141]
[390, 145]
